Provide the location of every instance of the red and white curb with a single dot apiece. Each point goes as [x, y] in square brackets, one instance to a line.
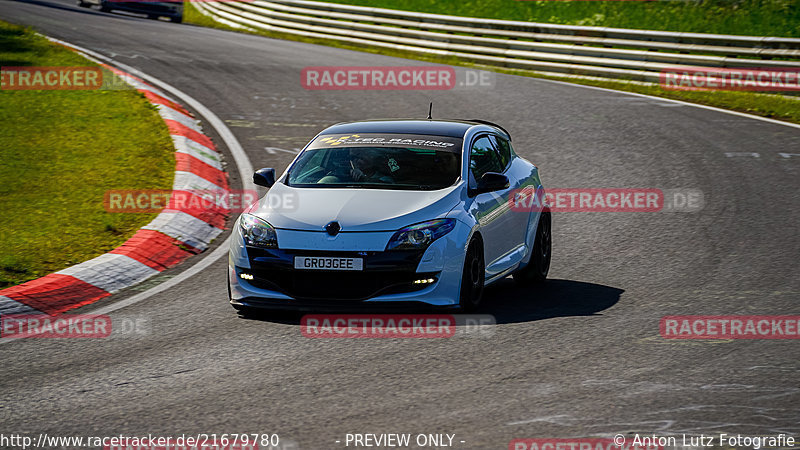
[173, 236]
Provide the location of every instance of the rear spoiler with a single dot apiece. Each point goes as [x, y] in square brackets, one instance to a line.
[492, 124]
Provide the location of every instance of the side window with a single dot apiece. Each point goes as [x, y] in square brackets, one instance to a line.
[503, 149]
[483, 158]
[310, 161]
[316, 159]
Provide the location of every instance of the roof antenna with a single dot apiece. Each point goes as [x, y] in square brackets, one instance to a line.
[430, 109]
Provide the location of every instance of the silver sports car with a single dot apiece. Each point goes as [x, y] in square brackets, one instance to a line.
[389, 213]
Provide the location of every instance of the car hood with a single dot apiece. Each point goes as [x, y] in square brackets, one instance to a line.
[311, 209]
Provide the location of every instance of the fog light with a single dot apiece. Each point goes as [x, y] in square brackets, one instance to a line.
[424, 281]
[245, 276]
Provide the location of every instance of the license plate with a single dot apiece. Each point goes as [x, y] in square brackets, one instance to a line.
[327, 263]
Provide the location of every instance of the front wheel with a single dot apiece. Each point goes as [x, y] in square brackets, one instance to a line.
[473, 277]
[104, 6]
[538, 267]
[83, 4]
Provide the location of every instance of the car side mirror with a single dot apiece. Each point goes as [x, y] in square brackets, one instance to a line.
[264, 177]
[490, 182]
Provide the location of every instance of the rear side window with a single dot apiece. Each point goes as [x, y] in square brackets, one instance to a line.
[503, 149]
[484, 158]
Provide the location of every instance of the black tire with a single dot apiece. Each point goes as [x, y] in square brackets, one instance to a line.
[104, 6]
[538, 267]
[152, 17]
[83, 4]
[176, 19]
[472, 277]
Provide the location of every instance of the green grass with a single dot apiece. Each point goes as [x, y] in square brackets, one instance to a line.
[192, 16]
[778, 107]
[60, 151]
[748, 17]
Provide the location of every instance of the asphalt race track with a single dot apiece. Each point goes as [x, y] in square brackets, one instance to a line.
[581, 357]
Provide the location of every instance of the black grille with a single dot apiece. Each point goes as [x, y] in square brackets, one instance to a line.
[317, 285]
[384, 273]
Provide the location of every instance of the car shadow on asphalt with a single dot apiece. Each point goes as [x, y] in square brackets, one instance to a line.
[507, 302]
[510, 303]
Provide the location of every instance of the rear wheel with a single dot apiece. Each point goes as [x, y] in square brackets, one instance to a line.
[473, 277]
[83, 4]
[104, 6]
[176, 19]
[538, 267]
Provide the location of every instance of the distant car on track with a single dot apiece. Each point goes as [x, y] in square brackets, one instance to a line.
[173, 10]
[390, 212]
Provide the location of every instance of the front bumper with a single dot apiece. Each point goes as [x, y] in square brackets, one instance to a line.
[387, 280]
[384, 273]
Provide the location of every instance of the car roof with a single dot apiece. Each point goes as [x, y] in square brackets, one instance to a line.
[450, 128]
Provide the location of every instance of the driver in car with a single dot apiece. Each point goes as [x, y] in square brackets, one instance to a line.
[365, 165]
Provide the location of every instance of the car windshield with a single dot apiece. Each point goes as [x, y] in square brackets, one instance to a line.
[368, 161]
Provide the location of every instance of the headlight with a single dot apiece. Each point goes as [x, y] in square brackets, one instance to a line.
[421, 235]
[257, 232]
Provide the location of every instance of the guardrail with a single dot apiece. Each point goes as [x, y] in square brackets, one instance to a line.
[595, 51]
